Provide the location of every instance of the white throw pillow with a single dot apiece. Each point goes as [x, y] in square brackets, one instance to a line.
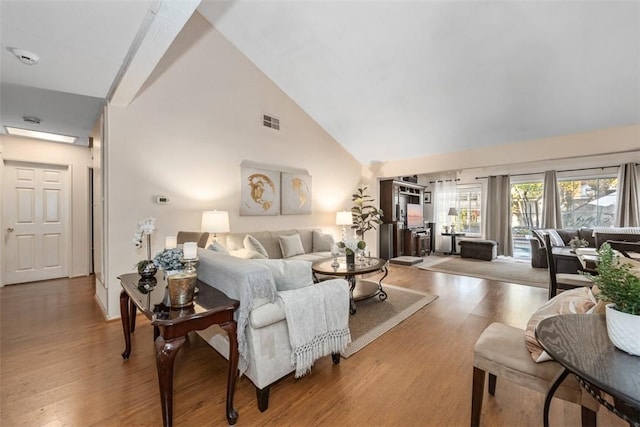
[291, 245]
[289, 274]
[322, 242]
[252, 244]
[217, 247]
[246, 254]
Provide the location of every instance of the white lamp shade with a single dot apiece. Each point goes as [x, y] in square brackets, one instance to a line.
[215, 221]
[344, 218]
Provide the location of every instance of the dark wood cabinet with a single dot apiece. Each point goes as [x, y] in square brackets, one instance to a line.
[394, 197]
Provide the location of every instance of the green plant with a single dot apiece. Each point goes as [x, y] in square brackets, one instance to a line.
[617, 284]
[365, 215]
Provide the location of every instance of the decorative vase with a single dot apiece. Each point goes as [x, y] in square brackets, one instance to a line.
[182, 286]
[351, 260]
[622, 329]
[146, 269]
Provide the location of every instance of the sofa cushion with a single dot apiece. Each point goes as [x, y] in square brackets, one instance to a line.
[267, 314]
[576, 301]
[291, 245]
[253, 244]
[322, 242]
[566, 234]
[587, 234]
[289, 274]
[556, 240]
[246, 254]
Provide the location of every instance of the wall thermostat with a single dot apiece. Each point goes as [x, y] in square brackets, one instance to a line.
[162, 200]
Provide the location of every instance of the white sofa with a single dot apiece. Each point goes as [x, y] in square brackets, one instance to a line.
[263, 329]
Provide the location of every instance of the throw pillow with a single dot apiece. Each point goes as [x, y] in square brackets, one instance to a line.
[291, 245]
[555, 238]
[574, 301]
[246, 254]
[289, 274]
[252, 244]
[322, 242]
[217, 247]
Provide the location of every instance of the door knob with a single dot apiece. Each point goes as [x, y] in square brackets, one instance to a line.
[9, 229]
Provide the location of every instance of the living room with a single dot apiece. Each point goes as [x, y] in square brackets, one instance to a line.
[186, 135]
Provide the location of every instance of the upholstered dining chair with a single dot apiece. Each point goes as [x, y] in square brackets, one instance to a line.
[562, 280]
[200, 238]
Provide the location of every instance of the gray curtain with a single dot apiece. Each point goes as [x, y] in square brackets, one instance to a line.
[499, 213]
[551, 212]
[627, 204]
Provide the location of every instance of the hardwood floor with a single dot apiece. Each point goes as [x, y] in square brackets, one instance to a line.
[61, 365]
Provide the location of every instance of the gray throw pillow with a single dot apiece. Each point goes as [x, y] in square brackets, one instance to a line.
[217, 247]
[252, 244]
[322, 242]
[291, 245]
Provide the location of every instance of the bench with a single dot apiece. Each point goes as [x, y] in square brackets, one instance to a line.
[486, 250]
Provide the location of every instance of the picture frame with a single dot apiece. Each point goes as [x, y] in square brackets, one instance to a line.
[260, 193]
[295, 194]
[427, 197]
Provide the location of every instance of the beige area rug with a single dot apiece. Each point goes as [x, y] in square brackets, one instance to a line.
[502, 270]
[374, 317]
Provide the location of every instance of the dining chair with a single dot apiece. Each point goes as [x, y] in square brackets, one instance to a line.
[562, 280]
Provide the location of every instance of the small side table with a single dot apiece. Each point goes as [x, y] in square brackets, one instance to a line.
[453, 242]
[170, 328]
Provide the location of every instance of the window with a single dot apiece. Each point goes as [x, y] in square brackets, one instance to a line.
[588, 202]
[468, 202]
[526, 214]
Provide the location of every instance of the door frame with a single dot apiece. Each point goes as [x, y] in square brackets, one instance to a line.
[69, 208]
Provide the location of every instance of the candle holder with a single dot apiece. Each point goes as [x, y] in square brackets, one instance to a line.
[182, 285]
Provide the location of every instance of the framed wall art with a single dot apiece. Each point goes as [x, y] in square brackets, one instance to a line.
[296, 194]
[427, 197]
[260, 192]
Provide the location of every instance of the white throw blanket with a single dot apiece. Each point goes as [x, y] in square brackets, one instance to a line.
[318, 322]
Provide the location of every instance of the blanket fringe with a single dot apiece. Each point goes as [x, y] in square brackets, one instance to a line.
[330, 342]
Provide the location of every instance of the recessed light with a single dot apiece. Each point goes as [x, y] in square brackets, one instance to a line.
[25, 56]
[55, 137]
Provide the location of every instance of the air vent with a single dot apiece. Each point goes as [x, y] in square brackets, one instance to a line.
[271, 122]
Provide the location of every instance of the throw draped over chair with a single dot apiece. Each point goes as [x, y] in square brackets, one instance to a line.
[561, 280]
[193, 236]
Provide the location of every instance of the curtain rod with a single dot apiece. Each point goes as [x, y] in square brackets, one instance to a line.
[564, 170]
[444, 180]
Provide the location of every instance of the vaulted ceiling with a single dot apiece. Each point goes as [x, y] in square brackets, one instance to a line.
[387, 79]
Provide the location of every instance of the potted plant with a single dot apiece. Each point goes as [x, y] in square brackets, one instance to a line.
[620, 287]
[365, 215]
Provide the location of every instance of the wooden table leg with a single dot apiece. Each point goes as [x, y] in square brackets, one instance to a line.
[165, 355]
[126, 325]
[132, 316]
[230, 327]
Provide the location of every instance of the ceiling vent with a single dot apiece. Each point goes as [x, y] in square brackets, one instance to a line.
[25, 56]
[271, 122]
[31, 119]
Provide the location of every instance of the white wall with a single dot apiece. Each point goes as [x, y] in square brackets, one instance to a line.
[79, 161]
[185, 136]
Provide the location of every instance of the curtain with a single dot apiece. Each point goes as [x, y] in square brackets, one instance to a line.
[627, 203]
[498, 222]
[551, 208]
[445, 197]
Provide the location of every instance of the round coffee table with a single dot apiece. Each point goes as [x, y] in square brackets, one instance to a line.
[366, 288]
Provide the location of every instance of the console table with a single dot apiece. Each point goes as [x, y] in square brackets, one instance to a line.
[454, 250]
[170, 328]
[579, 342]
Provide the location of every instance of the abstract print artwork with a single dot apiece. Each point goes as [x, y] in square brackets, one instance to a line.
[296, 194]
[260, 193]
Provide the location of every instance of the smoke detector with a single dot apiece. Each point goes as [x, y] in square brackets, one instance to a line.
[31, 119]
[25, 56]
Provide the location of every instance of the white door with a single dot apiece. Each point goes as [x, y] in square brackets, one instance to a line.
[35, 212]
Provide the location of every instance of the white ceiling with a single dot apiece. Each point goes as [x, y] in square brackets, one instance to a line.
[387, 79]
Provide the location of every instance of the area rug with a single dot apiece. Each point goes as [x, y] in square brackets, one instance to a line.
[374, 317]
[502, 270]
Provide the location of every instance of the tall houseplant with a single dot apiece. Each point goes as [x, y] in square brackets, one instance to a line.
[620, 286]
[365, 215]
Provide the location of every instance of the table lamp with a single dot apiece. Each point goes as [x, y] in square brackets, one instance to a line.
[344, 218]
[215, 222]
[454, 213]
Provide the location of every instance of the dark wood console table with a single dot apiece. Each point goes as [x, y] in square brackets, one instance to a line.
[579, 342]
[170, 328]
[454, 249]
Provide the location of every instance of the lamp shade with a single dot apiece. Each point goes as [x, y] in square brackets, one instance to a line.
[344, 218]
[453, 212]
[215, 221]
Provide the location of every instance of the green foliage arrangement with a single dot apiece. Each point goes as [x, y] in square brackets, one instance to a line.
[365, 215]
[616, 282]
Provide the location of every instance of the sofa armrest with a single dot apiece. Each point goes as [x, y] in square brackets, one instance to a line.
[267, 314]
